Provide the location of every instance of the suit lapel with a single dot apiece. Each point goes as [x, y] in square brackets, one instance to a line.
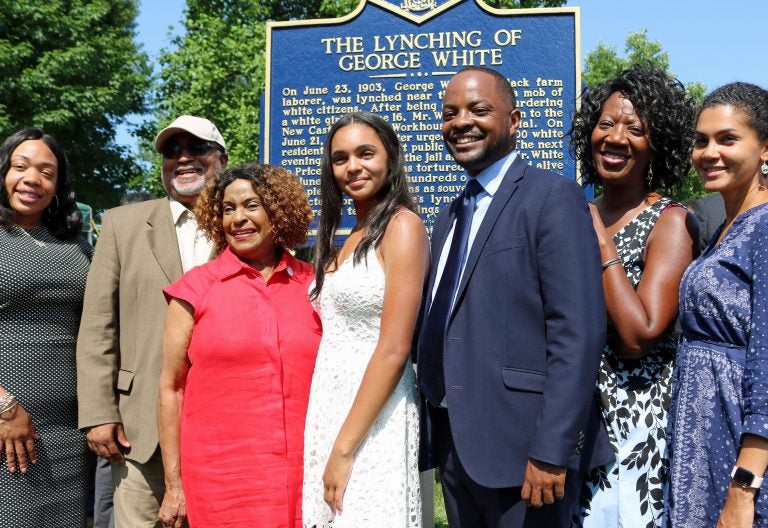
[504, 193]
[439, 236]
[161, 235]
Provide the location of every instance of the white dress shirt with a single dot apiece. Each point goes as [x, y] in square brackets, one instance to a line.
[490, 179]
[194, 246]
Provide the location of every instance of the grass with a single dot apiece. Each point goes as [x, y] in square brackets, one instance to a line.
[441, 520]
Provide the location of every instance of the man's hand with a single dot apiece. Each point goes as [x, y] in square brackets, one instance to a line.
[103, 440]
[543, 483]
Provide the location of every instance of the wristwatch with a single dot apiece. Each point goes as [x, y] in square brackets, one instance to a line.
[745, 478]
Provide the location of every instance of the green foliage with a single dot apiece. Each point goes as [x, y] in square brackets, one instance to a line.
[73, 68]
[604, 63]
[336, 8]
[214, 70]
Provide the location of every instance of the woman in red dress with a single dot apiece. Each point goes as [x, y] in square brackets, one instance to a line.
[238, 353]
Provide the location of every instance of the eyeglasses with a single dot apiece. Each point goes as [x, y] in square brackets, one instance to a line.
[174, 150]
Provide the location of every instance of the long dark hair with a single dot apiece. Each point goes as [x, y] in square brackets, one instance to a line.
[63, 221]
[393, 195]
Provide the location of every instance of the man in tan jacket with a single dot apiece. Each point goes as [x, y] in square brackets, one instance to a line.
[142, 248]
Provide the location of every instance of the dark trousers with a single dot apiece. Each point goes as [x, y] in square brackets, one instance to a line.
[470, 505]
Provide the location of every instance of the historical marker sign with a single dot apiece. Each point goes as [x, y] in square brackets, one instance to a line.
[395, 59]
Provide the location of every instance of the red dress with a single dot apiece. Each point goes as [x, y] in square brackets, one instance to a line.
[252, 355]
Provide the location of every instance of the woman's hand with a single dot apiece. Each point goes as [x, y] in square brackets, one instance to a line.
[173, 511]
[739, 508]
[600, 231]
[179, 322]
[335, 478]
[18, 435]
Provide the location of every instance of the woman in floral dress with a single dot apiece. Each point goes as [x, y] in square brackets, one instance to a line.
[633, 137]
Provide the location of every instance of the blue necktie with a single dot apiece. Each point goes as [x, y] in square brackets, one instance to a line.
[431, 378]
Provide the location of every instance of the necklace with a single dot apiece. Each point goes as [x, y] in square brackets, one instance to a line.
[39, 243]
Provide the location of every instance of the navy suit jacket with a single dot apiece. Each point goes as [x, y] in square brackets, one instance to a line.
[524, 340]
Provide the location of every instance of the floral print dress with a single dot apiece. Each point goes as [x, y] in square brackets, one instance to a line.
[720, 385]
[634, 397]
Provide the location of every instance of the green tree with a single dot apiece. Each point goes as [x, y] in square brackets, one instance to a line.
[73, 68]
[214, 69]
[604, 63]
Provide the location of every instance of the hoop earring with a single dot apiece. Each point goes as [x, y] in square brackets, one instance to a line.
[764, 168]
[55, 210]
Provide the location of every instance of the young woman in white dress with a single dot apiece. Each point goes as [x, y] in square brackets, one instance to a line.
[361, 435]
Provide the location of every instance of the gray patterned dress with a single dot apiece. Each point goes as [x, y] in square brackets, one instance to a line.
[42, 280]
[634, 397]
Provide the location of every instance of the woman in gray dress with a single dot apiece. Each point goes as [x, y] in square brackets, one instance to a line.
[43, 267]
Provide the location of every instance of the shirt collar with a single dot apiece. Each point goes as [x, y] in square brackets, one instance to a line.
[491, 177]
[230, 265]
[178, 210]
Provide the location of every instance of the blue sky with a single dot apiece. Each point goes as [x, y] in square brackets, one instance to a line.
[708, 41]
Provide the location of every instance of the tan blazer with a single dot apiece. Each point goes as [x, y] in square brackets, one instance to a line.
[120, 341]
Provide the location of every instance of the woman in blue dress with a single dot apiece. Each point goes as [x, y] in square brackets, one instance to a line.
[718, 429]
[633, 136]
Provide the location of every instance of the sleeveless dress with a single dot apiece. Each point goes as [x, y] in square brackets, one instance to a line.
[634, 397]
[42, 282]
[383, 490]
[719, 389]
[251, 356]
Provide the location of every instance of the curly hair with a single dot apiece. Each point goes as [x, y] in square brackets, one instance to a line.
[281, 195]
[664, 109]
[63, 221]
[749, 99]
[393, 195]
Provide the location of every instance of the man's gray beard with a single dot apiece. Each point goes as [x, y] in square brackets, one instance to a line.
[188, 190]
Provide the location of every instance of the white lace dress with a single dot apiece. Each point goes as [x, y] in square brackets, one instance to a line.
[383, 490]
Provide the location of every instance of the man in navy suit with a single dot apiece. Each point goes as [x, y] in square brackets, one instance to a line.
[513, 326]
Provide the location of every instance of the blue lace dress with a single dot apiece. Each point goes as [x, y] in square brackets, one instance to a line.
[720, 382]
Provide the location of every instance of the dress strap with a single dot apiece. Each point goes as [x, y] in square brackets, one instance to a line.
[402, 210]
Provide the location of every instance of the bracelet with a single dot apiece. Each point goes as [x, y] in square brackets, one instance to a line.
[5, 398]
[9, 407]
[7, 403]
[607, 264]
